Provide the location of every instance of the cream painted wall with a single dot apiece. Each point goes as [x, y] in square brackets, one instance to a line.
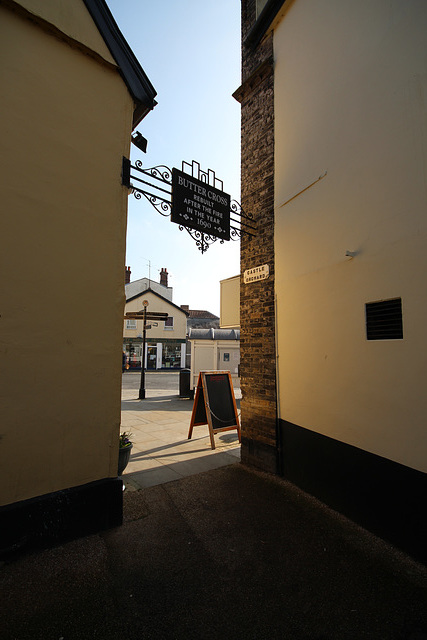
[208, 355]
[73, 19]
[351, 106]
[230, 303]
[156, 304]
[66, 123]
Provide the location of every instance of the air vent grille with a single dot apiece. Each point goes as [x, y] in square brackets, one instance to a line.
[384, 320]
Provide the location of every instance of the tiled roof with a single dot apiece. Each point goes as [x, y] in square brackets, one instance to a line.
[194, 313]
[138, 286]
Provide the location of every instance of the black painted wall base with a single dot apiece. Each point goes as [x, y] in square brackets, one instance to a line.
[259, 455]
[59, 517]
[382, 496]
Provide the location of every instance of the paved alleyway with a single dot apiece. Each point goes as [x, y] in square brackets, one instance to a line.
[227, 554]
[159, 425]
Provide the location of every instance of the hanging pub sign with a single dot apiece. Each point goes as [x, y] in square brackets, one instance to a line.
[197, 205]
[192, 199]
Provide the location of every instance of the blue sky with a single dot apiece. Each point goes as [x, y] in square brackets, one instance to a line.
[190, 50]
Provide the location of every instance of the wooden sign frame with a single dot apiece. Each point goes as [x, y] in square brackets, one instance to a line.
[215, 404]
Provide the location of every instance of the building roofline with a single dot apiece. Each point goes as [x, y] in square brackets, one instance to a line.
[206, 314]
[263, 23]
[150, 280]
[138, 295]
[130, 69]
[214, 334]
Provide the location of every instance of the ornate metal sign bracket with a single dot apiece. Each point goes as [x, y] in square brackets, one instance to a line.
[155, 184]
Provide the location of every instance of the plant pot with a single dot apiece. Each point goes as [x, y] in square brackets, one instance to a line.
[124, 455]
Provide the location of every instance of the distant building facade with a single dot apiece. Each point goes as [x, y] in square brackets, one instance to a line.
[165, 345]
[198, 319]
[230, 303]
[214, 350]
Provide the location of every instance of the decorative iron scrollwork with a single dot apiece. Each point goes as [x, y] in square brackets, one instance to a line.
[155, 184]
[162, 206]
[203, 240]
[161, 172]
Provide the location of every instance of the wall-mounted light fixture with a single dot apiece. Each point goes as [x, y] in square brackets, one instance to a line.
[139, 141]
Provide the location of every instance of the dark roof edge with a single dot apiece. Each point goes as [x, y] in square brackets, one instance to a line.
[213, 334]
[133, 74]
[138, 295]
[263, 23]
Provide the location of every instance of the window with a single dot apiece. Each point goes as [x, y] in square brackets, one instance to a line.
[169, 324]
[133, 354]
[384, 320]
[131, 323]
[171, 355]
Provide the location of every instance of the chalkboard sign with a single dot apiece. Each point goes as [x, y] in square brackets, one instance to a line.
[199, 410]
[215, 404]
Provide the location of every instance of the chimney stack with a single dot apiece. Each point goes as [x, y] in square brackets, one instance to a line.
[164, 277]
[185, 307]
[127, 275]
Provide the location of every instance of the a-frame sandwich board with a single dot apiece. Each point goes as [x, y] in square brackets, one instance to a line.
[215, 404]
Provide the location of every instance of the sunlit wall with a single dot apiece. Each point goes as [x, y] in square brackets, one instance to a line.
[66, 123]
[350, 176]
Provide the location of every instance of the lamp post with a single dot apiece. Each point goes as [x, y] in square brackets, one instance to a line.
[137, 315]
[144, 333]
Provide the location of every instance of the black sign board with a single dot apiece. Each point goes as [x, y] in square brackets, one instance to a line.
[199, 206]
[215, 404]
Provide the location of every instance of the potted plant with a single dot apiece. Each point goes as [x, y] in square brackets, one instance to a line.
[125, 447]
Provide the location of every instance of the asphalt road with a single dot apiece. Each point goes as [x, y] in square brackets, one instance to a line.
[153, 380]
[165, 380]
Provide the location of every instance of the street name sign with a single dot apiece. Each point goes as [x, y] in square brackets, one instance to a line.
[257, 273]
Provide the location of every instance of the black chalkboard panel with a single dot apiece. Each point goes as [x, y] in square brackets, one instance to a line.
[199, 409]
[219, 400]
[214, 404]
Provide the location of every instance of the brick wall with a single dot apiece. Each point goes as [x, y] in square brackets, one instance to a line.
[257, 310]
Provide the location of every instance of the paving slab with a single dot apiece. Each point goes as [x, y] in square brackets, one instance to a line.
[159, 425]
